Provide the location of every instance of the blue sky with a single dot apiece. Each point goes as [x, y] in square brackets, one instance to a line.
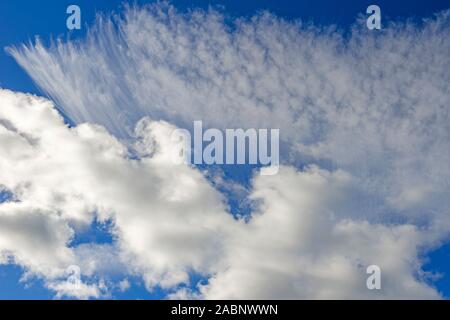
[21, 21]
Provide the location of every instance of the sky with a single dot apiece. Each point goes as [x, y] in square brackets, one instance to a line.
[364, 148]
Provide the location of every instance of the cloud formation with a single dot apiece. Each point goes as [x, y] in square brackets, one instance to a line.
[169, 221]
[364, 121]
[372, 103]
[295, 246]
[168, 218]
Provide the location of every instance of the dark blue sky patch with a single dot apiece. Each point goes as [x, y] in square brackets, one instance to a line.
[12, 288]
[439, 266]
[98, 233]
[5, 195]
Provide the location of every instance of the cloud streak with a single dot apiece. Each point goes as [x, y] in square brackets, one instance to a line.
[352, 102]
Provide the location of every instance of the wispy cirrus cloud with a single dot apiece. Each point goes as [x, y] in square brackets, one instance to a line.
[352, 101]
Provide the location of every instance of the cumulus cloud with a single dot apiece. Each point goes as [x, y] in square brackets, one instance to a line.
[366, 112]
[76, 289]
[170, 221]
[34, 238]
[295, 246]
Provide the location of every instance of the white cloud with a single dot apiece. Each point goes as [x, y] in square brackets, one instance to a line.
[76, 289]
[168, 218]
[295, 246]
[124, 285]
[373, 103]
[34, 238]
[371, 109]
